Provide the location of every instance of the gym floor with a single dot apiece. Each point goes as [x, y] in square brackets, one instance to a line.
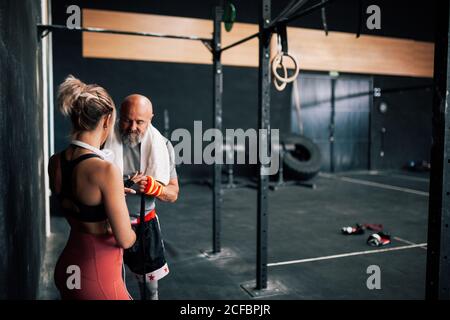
[304, 234]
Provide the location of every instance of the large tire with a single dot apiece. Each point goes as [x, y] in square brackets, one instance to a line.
[305, 161]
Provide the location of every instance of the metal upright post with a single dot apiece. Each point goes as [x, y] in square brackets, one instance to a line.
[332, 124]
[217, 123]
[438, 253]
[263, 142]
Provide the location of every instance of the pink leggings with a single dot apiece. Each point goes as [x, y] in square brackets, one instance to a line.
[97, 262]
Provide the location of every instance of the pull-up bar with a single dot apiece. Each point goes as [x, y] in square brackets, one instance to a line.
[42, 28]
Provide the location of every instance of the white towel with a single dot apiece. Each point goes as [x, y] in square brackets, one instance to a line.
[154, 153]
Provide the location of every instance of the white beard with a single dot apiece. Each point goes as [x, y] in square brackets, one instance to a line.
[131, 140]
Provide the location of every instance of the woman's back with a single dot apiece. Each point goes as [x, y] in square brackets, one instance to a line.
[74, 180]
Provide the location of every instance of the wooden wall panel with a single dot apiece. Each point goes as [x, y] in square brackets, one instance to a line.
[338, 52]
[368, 54]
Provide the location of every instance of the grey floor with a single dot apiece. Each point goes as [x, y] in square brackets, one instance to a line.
[303, 224]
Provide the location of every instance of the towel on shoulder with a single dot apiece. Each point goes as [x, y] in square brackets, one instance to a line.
[155, 159]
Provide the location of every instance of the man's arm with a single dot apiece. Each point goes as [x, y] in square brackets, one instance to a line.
[151, 187]
[170, 192]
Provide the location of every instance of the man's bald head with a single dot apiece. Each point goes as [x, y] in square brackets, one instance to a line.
[137, 101]
[136, 113]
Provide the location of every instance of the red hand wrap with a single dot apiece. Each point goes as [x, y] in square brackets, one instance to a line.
[153, 187]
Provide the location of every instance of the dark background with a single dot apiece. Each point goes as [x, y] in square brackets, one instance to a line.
[22, 170]
[184, 90]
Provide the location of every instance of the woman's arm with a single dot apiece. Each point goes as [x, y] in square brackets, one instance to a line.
[54, 174]
[111, 186]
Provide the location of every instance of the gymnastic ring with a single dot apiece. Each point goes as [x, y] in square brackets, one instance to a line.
[282, 86]
[277, 60]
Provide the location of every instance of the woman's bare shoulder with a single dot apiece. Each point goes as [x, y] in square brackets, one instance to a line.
[103, 171]
[53, 162]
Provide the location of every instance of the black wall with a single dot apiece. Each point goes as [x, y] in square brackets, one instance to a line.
[407, 121]
[362, 144]
[185, 90]
[21, 163]
[335, 114]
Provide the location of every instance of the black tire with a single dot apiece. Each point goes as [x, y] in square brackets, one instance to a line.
[305, 161]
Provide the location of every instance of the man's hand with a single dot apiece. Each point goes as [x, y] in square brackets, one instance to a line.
[151, 187]
[137, 178]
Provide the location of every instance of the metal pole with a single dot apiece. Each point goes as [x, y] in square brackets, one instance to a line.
[47, 127]
[332, 123]
[263, 141]
[166, 124]
[50, 85]
[438, 253]
[217, 123]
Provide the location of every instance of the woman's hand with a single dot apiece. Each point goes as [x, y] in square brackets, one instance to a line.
[137, 178]
[108, 228]
[129, 190]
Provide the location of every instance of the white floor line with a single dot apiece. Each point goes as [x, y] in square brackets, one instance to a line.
[360, 172]
[384, 174]
[344, 255]
[407, 242]
[375, 184]
[403, 176]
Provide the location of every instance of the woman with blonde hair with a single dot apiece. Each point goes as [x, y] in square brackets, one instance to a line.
[90, 191]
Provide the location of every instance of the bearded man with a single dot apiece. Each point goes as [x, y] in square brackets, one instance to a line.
[147, 161]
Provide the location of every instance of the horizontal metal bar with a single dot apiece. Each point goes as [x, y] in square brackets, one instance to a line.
[240, 41]
[305, 12]
[43, 28]
[281, 21]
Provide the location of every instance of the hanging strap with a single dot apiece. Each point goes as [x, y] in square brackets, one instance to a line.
[282, 33]
[360, 17]
[324, 19]
[142, 232]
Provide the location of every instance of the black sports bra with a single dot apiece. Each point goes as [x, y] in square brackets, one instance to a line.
[84, 213]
